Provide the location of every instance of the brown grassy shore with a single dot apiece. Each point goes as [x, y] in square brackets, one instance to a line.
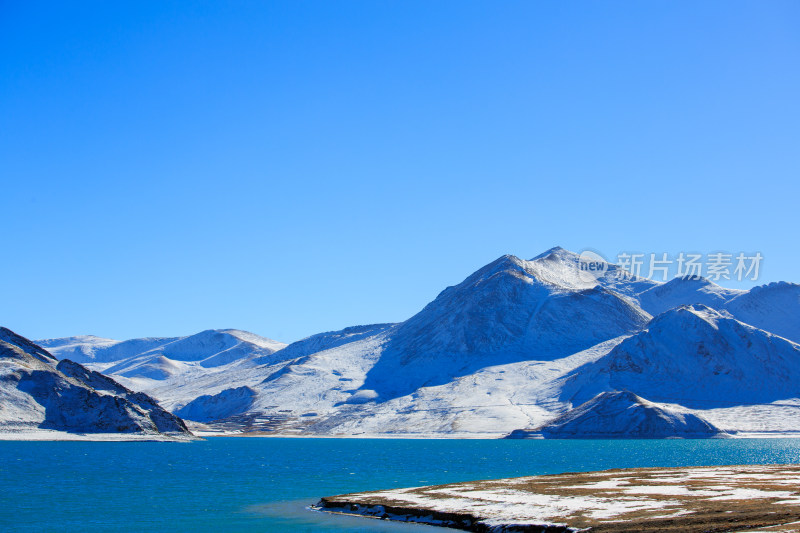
[692, 499]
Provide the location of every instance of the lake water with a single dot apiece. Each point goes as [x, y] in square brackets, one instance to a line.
[264, 484]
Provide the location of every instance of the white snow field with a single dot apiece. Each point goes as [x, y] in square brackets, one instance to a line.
[514, 346]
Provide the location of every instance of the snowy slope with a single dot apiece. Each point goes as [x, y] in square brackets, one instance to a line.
[211, 347]
[328, 340]
[696, 357]
[90, 349]
[622, 414]
[562, 267]
[516, 344]
[389, 377]
[225, 404]
[38, 392]
[511, 310]
[490, 402]
[774, 307]
[164, 358]
[686, 291]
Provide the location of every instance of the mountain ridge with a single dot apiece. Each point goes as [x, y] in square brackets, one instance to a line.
[40, 393]
[515, 344]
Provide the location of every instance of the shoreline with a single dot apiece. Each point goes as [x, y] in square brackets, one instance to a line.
[54, 435]
[465, 435]
[47, 435]
[687, 499]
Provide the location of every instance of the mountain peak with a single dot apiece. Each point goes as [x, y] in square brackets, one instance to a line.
[697, 280]
[773, 307]
[557, 268]
[685, 290]
[34, 350]
[689, 313]
[697, 357]
[556, 251]
[776, 286]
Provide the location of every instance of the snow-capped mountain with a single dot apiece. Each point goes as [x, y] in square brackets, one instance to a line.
[161, 358]
[774, 307]
[91, 349]
[82, 348]
[516, 344]
[39, 393]
[227, 403]
[622, 414]
[562, 267]
[511, 310]
[696, 357]
[212, 347]
[686, 291]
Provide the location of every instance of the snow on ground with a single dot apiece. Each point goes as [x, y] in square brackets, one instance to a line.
[492, 401]
[692, 499]
[686, 291]
[34, 434]
[623, 414]
[697, 357]
[774, 307]
[776, 418]
[513, 346]
[39, 393]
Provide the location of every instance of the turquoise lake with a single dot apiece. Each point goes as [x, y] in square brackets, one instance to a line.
[265, 484]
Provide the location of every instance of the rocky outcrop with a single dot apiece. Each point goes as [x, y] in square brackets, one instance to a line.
[163, 419]
[624, 415]
[37, 392]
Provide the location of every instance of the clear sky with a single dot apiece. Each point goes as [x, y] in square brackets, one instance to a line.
[295, 167]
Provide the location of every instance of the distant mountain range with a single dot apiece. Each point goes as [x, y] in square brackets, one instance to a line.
[516, 345]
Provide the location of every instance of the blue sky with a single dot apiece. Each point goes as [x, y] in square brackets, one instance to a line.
[295, 167]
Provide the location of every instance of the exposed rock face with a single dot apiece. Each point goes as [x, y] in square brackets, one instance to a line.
[21, 349]
[164, 421]
[37, 392]
[614, 415]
